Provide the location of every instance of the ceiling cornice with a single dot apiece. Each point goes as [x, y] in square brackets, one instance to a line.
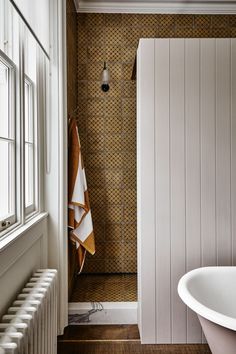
[156, 6]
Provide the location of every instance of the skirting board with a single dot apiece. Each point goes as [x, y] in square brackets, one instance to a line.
[110, 313]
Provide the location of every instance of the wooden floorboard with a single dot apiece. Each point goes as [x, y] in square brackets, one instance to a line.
[101, 332]
[117, 339]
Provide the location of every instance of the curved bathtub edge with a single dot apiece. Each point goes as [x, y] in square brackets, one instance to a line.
[200, 309]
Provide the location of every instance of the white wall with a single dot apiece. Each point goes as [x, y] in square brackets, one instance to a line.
[36, 13]
[20, 258]
[187, 174]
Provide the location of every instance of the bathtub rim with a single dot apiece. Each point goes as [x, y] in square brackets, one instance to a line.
[198, 307]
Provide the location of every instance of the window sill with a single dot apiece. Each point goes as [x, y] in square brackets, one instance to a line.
[10, 238]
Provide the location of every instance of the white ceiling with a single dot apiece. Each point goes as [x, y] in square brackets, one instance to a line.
[157, 6]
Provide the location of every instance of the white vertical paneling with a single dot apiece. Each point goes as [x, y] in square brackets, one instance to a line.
[208, 153]
[233, 148]
[187, 169]
[177, 185]
[146, 194]
[223, 112]
[193, 182]
[162, 130]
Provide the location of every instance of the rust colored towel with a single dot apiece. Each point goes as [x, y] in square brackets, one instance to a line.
[79, 213]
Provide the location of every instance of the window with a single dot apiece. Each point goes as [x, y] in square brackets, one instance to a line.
[29, 146]
[23, 76]
[7, 143]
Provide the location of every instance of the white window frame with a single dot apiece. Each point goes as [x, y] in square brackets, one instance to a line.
[30, 209]
[24, 214]
[11, 219]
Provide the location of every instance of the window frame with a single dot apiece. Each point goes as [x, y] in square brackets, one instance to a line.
[32, 208]
[10, 220]
[24, 215]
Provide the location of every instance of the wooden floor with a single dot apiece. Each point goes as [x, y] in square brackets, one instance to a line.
[117, 339]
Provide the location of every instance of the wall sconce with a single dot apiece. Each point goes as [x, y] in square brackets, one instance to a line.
[105, 78]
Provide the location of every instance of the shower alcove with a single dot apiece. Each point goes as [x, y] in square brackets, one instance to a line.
[107, 128]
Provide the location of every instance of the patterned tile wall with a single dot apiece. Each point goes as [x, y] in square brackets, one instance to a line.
[72, 95]
[107, 121]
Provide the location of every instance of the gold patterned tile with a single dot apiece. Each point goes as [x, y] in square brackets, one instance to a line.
[113, 232]
[233, 32]
[96, 36]
[82, 72]
[220, 21]
[131, 36]
[97, 195]
[98, 212]
[95, 178]
[129, 89]
[82, 55]
[95, 143]
[130, 213]
[94, 89]
[114, 178]
[113, 53]
[113, 142]
[147, 20]
[95, 160]
[96, 54]
[202, 21]
[94, 20]
[113, 196]
[129, 106]
[185, 21]
[113, 20]
[129, 197]
[128, 54]
[220, 32]
[112, 107]
[113, 160]
[201, 32]
[130, 232]
[127, 71]
[232, 20]
[113, 287]
[130, 20]
[166, 32]
[129, 179]
[129, 142]
[95, 124]
[115, 71]
[95, 107]
[148, 32]
[113, 124]
[113, 36]
[184, 32]
[166, 20]
[114, 213]
[114, 250]
[82, 89]
[115, 89]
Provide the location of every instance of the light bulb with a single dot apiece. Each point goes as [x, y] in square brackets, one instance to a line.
[105, 78]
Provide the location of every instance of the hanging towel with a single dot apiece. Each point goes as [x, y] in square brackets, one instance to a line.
[79, 213]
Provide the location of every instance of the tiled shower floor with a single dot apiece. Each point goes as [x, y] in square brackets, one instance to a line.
[105, 288]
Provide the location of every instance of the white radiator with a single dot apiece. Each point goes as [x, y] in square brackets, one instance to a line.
[30, 325]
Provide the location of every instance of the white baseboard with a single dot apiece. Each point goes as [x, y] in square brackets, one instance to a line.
[111, 313]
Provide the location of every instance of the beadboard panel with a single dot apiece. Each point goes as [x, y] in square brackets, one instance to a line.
[194, 187]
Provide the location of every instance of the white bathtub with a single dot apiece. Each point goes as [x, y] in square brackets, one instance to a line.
[211, 293]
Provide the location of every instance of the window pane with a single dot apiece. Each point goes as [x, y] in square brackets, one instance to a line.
[7, 180]
[29, 174]
[28, 113]
[4, 101]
